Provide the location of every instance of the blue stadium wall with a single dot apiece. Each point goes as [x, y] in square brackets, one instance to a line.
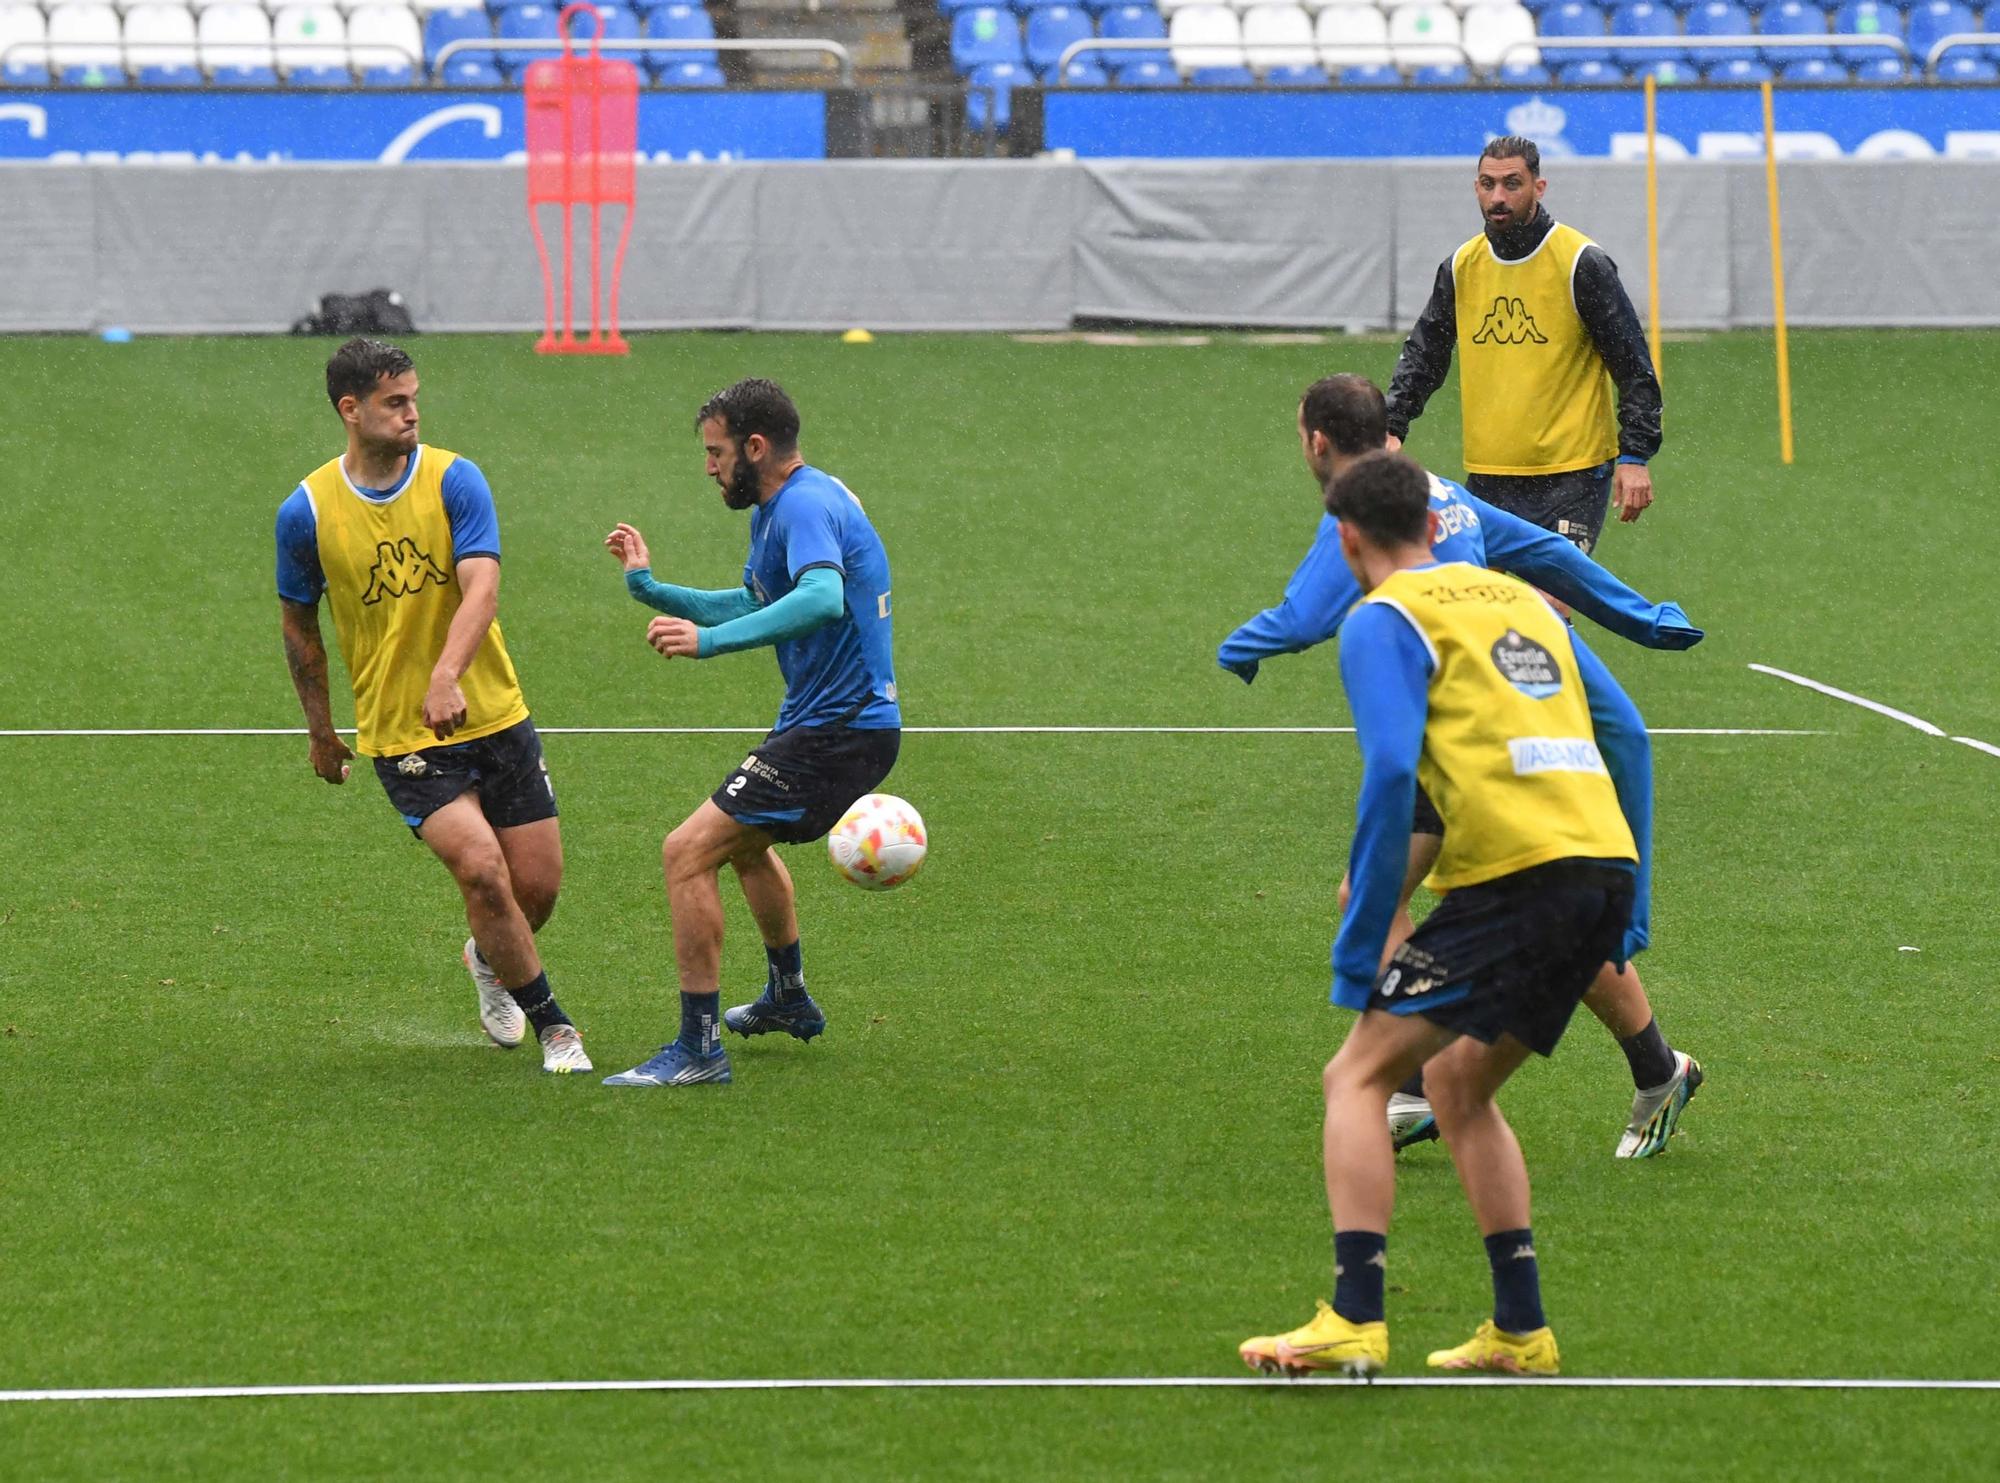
[169, 126]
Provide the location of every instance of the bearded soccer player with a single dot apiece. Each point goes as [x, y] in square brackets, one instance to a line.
[402, 539]
[1465, 680]
[1544, 331]
[1341, 420]
[815, 588]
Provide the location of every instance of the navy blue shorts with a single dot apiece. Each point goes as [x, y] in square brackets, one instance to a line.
[505, 769]
[798, 783]
[1512, 956]
[1572, 505]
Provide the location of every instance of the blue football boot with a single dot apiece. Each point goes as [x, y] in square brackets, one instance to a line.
[675, 1066]
[797, 1016]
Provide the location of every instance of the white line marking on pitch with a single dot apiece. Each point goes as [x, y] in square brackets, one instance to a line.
[1852, 699]
[1071, 1382]
[907, 731]
[1975, 742]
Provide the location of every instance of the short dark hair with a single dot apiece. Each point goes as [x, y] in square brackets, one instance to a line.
[1386, 496]
[1349, 410]
[1513, 146]
[359, 366]
[754, 406]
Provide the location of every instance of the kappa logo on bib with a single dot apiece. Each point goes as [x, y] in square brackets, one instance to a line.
[1527, 666]
[1508, 322]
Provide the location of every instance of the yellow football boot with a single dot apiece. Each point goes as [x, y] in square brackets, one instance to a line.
[1496, 1349]
[1328, 1344]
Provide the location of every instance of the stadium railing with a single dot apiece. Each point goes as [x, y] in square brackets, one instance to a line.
[1060, 76]
[47, 48]
[843, 58]
[1954, 42]
[1699, 44]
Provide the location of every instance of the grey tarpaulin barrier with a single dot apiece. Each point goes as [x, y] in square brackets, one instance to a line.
[908, 245]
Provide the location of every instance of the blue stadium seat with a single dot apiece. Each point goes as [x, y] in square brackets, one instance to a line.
[984, 35]
[460, 23]
[1524, 74]
[1296, 77]
[471, 70]
[1442, 75]
[244, 77]
[1964, 66]
[1739, 69]
[1084, 72]
[1003, 78]
[93, 75]
[1794, 18]
[1370, 75]
[1668, 72]
[1537, 7]
[620, 24]
[1867, 18]
[1812, 70]
[1720, 18]
[319, 77]
[1589, 74]
[1149, 74]
[1645, 18]
[678, 22]
[1883, 69]
[1934, 20]
[158, 77]
[681, 74]
[1029, 7]
[1052, 28]
[529, 23]
[390, 75]
[1222, 77]
[1132, 23]
[1573, 19]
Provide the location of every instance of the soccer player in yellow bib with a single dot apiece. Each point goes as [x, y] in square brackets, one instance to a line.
[403, 541]
[1544, 331]
[1465, 679]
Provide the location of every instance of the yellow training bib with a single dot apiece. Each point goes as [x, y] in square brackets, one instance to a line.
[1510, 758]
[391, 577]
[1533, 392]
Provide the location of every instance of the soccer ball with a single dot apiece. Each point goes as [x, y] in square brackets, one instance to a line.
[878, 843]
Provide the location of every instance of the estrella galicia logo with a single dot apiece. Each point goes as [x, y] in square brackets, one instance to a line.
[400, 570]
[413, 766]
[1527, 666]
[1508, 322]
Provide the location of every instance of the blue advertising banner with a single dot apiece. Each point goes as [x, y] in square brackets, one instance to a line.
[203, 126]
[1900, 122]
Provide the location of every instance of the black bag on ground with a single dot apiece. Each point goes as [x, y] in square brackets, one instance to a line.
[380, 311]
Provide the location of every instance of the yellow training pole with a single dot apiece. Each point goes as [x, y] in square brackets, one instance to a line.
[1778, 284]
[1653, 226]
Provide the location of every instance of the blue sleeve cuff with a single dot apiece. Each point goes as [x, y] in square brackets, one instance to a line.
[1631, 458]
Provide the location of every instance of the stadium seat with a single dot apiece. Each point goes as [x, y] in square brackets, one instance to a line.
[1026, 8]
[1813, 69]
[1524, 74]
[1719, 18]
[1351, 36]
[381, 40]
[236, 46]
[1131, 23]
[1168, 7]
[1002, 78]
[1492, 36]
[1589, 74]
[1538, 8]
[1739, 69]
[620, 24]
[21, 24]
[299, 31]
[83, 45]
[1934, 20]
[1149, 74]
[1645, 20]
[1205, 36]
[1370, 75]
[1083, 72]
[690, 75]
[1222, 77]
[1868, 18]
[1278, 36]
[1573, 20]
[159, 46]
[460, 23]
[1297, 77]
[1424, 35]
[983, 35]
[1442, 75]
[1965, 66]
[529, 23]
[679, 22]
[1052, 28]
[1668, 71]
[1794, 18]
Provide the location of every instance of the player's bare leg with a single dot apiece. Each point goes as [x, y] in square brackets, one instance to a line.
[459, 835]
[535, 865]
[1410, 1119]
[767, 886]
[784, 1005]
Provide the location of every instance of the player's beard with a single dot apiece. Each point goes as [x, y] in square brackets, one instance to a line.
[740, 493]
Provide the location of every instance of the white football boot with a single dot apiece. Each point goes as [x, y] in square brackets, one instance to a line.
[562, 1051]
[1410, 1120]
[1656, 1111]
[499, 1016]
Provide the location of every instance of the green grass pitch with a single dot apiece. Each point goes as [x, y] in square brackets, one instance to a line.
[1065, 1121]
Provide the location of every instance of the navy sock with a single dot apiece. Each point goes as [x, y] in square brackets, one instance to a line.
[788, 972]
[538, 1003]
[701, 1022]
[1413, 1084]
[1517, 1281]
[1650, 1057]
[1360, 1263]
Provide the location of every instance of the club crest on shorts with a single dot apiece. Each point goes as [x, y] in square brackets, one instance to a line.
[1527, 666]
[413, 766]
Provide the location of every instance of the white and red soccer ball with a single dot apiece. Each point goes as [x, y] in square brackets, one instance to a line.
[878, 843]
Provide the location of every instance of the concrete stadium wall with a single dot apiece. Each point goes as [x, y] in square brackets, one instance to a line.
[943, 245]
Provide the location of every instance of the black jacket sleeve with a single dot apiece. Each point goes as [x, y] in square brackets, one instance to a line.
[1614, 329]
[1426, 357]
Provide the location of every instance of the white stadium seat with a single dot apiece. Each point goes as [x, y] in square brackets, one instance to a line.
[1491, 32]
[1278, 36]
[235, 35]
[1168, 7]
[84, 35]
[166, 34]
[1425, 35]
[1352, 36]
[1205, 36]
[302, 32]
[385, 36]
[20, 24]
